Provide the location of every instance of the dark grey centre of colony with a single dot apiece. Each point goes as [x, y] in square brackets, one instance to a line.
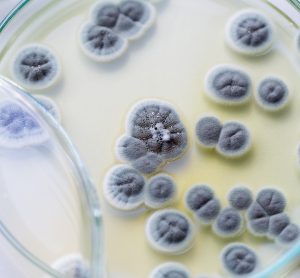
[209, 210]
[231, 84]
[160, 129]
[232, 138]
[102, 38]
[228, 221]
[290, 233]
[271, 201]
[133, 9]
[173, 228]
[272, 91]
[160, 190]
[208, 130]
[35, 66]
[198, 198]
[240, 198]
[252, 32]
[109, 14]
[240, 260]
[175, 274]
[129, 185]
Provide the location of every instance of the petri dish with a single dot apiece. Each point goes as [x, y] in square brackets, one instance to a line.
[170, 62]
[44, 184]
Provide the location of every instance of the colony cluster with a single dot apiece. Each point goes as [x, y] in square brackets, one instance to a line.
[155, 136]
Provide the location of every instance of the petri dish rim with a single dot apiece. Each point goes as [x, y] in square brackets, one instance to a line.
[23, 3]
[8, 20]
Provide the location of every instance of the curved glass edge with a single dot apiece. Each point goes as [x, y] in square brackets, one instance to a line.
[12, 13]
[23, 3]
[92, 202]
[25, 253]
[295, 3]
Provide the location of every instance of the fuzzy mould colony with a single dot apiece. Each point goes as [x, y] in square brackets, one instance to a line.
[154, 136]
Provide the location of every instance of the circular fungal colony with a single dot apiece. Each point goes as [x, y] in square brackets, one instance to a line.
[36, 67]
[240, 197]
[234, 140]
[226, 84]
[170, 270]
[170, 231]
[105, 37]
[239, 260]
[124, 188]
[229, 223]
[289, 234]
[208, 131]
[250, 32]
[160, 191]
[200, 200]
[154, 136]
[18, 127]
[101, 44]
[72, 266]
[277, 224]
[272, 94]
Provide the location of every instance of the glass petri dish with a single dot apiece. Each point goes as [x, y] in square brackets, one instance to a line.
[169, 63]
[44, 184]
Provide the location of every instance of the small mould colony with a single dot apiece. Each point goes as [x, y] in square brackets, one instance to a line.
[18, 127]
[36, 67]
[73, 266]
[155, 135]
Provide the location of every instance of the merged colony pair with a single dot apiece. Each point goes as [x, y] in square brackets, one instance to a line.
[231, 139]
[112, 26]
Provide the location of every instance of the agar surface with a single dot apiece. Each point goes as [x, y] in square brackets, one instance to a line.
[155, 135]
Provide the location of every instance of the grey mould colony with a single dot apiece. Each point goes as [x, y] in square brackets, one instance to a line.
[155, 135]
[111, 26]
